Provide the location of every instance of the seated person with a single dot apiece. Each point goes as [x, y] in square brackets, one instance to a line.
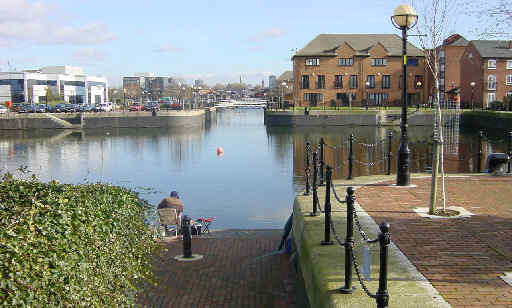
[173, 202]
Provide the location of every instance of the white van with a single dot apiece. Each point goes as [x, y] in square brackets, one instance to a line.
[106, 106]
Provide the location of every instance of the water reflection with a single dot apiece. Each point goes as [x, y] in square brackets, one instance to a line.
[251, 186]
[370, 148]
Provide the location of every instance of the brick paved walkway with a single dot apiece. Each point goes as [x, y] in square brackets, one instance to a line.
[462, 258]
[230, 275]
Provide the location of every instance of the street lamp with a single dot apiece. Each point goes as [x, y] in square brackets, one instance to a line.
[472, 84]
[367, 83]
[418, 86]
[283, 85]
[404, 18]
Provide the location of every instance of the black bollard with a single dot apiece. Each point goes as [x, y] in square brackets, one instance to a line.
[349, 243]
[308, 170]
[327, 209]
[187, 238]
[479, 160]
[322, 163]
[382, 292]
[390, 137]
[315, 188]
[509, 150]
[350, 156]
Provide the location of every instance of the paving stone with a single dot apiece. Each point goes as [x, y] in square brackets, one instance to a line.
[463, 258]
[232, 273]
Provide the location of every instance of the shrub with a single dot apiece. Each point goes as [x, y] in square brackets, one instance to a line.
[67, 245]
[496, 105]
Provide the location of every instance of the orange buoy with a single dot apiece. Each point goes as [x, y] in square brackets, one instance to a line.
[220, 151]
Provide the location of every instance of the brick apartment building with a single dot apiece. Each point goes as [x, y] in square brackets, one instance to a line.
[348, 69]
[450, 54]
[489, 65]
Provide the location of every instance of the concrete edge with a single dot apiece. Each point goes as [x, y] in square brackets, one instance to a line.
[394, 251]
[314, 282]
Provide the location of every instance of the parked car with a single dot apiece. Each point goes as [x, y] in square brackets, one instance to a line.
[3, 109]
[86, 108]
[169, 105]
[16, 107]
[72, 108]
[135, 107]
[41, 108]
[106, 106]
[26, 108]
[151, 106]
[59, 108]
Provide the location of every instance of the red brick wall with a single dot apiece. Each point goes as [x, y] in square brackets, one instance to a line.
[475, 69]
[362, 68]
[453, 55]
[471, 71]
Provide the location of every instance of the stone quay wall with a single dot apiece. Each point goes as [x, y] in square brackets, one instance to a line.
[194, 118]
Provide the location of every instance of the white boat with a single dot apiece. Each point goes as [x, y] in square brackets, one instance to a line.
[225, 104]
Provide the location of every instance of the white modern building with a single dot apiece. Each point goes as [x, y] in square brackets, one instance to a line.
[65, 82]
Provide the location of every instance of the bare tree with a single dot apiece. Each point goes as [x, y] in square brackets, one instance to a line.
[435, 22]
[493, 17]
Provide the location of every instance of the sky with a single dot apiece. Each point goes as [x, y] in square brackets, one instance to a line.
[215, 41]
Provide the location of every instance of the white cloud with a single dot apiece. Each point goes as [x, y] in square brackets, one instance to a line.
[268, 34]
[89, 55]
[168, 48]
[26, 22]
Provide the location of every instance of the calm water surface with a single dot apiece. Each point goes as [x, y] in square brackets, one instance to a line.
[251, 186]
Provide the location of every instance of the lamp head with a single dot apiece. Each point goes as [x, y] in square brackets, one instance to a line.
[404, 16]
[472, 84]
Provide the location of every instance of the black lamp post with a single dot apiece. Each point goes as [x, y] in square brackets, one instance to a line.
[472, 84]
[404, 18]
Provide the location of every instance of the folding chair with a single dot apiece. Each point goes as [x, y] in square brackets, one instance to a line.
[168, 217]
[206, 223]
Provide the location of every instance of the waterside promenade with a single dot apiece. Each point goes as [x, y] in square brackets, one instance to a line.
[462, 259]
[443, 262]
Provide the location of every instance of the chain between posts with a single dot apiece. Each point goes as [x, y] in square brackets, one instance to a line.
[356, 267]
[361, 231]
[336, 195]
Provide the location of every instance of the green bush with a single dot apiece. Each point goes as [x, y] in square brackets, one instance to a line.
[65, 245]
[496, 105]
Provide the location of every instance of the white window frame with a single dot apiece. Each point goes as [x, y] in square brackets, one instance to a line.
[491, 97]
[491, 64]
[509, 80]
[379, 61]
[509, 64]
[491, 80]
[312, 62]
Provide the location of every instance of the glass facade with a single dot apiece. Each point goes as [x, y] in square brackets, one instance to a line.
[17, 89]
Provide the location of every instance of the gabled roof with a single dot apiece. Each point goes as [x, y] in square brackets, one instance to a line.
[493, 49]
[326, 44]
[288, 75]
[456, 40]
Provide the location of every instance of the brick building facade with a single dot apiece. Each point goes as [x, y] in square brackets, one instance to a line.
[349, 69]
[489, 65]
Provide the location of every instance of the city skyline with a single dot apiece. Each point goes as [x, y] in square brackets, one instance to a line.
[214, 42]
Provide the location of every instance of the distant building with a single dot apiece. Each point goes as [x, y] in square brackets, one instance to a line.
[287, 89]
[272, 81]
[65, 82]
[198, 83]
[263, 83]
[144, 86]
